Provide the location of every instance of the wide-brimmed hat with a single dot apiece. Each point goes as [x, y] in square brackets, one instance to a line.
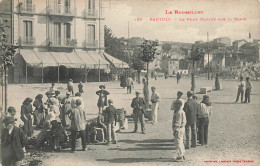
[189, 93]
[110, 101]
[48, 93]
[11, 109]
[102, 86]
[247, 78]
[9, 119]
[137, 92]
[205, 97]
[153, 87]
[67, 93]
[180, 93]
[57, 92]
[78, 102]
[52, 93]
[77, 94]
[71, 79]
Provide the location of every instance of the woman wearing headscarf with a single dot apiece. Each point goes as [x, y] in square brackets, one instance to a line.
[26, 116]
[102, 98]
[178, 128]
[39, 110]
[203, 119]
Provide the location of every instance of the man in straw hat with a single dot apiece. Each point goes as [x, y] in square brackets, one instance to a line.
[138, 104]
[13, 143]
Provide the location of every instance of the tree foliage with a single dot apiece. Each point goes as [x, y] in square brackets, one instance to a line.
[137, 63]
[149, 50]
[166, 47]
[115, 46]
[7, 51]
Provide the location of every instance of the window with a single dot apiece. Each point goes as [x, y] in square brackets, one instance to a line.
[67, 31]
[91, 34]
[28, 33]
[57, 34]
[67, 6]
[91, 4]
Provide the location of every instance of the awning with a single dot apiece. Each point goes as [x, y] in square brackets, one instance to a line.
[99, 59]
[86, 59]
[30, 57]
[116, 62]
[75, 59]
[46, 58]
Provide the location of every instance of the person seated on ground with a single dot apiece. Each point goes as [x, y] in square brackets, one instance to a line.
[58, 135]
[13, 142]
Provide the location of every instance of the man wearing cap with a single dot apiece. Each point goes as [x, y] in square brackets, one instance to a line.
[78, 124]
[155, 98]
[110, 120]
[248, 90]
[241, 89]
[70, 86]
[13, 141]
[65, 120]
[174, 104]
[138, 104]
[191, 108]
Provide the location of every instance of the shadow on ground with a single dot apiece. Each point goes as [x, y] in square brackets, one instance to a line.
[136, 160]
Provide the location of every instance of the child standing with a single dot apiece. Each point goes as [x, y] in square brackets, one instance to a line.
[178, 127]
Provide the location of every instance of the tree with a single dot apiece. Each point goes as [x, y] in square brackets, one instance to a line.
[149, 50]
[7, 58]
[166, 47]
[115, 46]
[137, 63]
[196, 54]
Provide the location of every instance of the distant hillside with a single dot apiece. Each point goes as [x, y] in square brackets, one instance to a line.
[177, 44]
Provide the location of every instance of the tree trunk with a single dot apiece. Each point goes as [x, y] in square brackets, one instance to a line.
[6, 83]
[138, 77]
[147, 82]
[217, 84]
[193, 78]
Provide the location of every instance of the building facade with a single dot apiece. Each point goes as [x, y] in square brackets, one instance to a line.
[57, 39]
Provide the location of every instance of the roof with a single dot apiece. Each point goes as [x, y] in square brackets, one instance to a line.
[116, 62]
[86, 58]
[30, 57]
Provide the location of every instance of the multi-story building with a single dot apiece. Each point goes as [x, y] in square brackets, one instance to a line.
[57, 39]
[237, 44]
[223, 40]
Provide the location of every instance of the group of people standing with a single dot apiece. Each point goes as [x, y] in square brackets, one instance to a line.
[190, 118]
[244, 88]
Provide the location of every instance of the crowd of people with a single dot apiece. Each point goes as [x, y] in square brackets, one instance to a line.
[190, 118]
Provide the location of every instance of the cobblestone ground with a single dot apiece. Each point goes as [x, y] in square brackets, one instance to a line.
[233, 129]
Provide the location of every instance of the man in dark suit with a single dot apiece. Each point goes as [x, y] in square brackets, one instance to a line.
[190, 108]
[138, 104]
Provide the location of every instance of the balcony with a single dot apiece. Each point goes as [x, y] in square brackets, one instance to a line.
[26, 41]
[61, 10]
[26, 8]
[90, 44]
[58, 42]
[90, 13]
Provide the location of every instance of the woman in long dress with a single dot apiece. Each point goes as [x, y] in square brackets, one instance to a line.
[39, 110]
[102, 100]
[26, 116]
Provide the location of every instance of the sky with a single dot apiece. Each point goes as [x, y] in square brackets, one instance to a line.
[118, 13]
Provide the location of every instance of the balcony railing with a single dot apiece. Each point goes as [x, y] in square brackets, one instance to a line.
[90, 13]
[90, 43]
[61, 10]
[58, 42]
[27, 8]
[26, 40]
